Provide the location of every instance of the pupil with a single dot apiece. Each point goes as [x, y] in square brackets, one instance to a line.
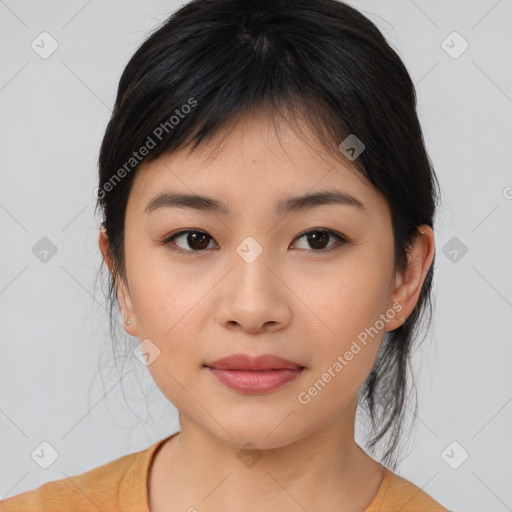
[192, 238]
[315, 235]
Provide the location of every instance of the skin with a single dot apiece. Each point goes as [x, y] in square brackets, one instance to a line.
[301, 303]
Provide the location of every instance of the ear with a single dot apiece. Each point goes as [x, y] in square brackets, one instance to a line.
[122, 290]
[408, 283]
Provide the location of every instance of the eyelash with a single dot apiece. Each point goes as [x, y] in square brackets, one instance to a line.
[169, 240]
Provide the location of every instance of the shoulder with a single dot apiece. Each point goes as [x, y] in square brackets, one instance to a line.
[100, 488]
[396, 491]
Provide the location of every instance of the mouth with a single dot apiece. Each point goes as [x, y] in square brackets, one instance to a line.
[254, 375]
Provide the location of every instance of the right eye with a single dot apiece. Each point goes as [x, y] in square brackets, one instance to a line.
[195, 239]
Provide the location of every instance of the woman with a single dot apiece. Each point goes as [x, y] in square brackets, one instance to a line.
[268, 208]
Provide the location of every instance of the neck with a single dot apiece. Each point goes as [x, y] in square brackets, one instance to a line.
[323, 470]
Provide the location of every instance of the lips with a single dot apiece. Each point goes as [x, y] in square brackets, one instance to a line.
[259, 363]
[254, 375]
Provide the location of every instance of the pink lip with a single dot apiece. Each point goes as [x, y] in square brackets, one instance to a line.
[248, 374]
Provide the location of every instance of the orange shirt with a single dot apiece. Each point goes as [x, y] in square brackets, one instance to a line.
[121, 486]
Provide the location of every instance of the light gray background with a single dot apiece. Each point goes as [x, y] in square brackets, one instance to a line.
[53, 326]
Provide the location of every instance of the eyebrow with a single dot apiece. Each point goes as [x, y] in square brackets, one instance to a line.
[292, 204]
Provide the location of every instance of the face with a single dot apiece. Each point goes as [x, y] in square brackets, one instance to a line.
[311, 284]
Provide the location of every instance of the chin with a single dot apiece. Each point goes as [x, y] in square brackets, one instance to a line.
[263, 435]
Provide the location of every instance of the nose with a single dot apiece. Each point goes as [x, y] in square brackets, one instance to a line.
[254, 298]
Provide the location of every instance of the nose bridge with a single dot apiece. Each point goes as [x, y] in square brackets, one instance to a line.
[251, 263]
[253, 298]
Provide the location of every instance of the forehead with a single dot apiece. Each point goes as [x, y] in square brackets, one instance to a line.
[254, 160]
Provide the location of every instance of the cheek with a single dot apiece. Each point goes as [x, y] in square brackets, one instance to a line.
[162, 292]
[347, 296]
[344, 345]
[171, 304]
[167, 300]
[347, 330]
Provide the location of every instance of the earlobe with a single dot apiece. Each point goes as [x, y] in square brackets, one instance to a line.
[408, 284]
[123, 294]
[127, 310]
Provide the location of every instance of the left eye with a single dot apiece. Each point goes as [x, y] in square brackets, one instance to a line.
[198, 241]
[317, 238]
